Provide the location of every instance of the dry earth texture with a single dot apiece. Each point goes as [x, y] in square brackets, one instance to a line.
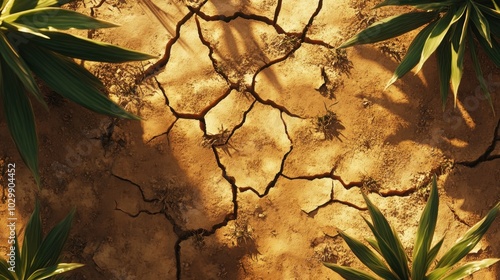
[258, 138]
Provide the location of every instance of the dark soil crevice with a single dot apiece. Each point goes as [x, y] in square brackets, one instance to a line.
[277, 176]
[181, 233]
[486, 156]
[456, 216]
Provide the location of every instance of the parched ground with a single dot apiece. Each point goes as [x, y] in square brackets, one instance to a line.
[258, 138]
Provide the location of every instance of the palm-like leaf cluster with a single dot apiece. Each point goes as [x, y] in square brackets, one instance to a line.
[450, 26]
[39, 257]
[31, 43]
[394, 264]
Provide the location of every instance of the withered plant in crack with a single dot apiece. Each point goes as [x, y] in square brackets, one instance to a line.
[218, 140]
[370, 185]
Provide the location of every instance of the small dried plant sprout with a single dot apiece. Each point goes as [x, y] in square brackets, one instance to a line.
[369, 185]
[329, 125]
[242, 233]
[220, 139]
[199, 241]
[337, 59]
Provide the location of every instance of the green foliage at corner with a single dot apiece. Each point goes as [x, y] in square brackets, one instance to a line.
[450, 27]
[39, 257]
[32, 44]
[389, 261]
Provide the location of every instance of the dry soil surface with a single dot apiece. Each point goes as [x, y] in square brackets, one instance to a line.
[258, 138]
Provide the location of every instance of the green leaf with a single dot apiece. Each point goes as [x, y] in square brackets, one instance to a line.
[439, 4]
[390, 27]
[439, 32]
[438, 273]
[413, 55]
[479, 73]
[77, 47]
[470, 268]
[7, 6]
[373, 243]
[349, 273]
[32, 240]
[494, 27]
[492, 52]
[367, 257]
[51, 247]
[457, 53]
[388, 241]
[425, 233]
[18, 272]
[17, 64]
[443, 53]
[481, 23]
[490, 12]
[465, 244]
[25, 30]
[431, 256]
[21, 5]
[20, 119]
[66, 78]
[5, 274]
[44, 18]
[51, 3]
[47, 272]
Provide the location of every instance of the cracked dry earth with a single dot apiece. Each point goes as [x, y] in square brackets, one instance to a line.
[257, 140]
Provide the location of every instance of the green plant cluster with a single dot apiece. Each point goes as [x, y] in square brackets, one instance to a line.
[39, 257]
[32, 44]
[396, 265]
[450, 27]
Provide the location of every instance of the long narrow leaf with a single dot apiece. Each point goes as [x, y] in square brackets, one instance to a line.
[20, 119]
[47, 272]
[444, 3]
[78, 47]
[390, 27]
[480, 22]
[51, 247]
[373, 243]
[490, 12]
[458, 40]
[32, 239]
[388, 241]
[16, 63]
[465, 244]
[413, 55]
[21, 5]
[492, 52]
[5, 274]
[479, 74]
[431, 256]
[64, 76]
[26, 31]
[444, 62]
[439, 32]
[425, 233]
[57, 18]
[349, 273]
[470, 268]
[51, 3]
[368, 258]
